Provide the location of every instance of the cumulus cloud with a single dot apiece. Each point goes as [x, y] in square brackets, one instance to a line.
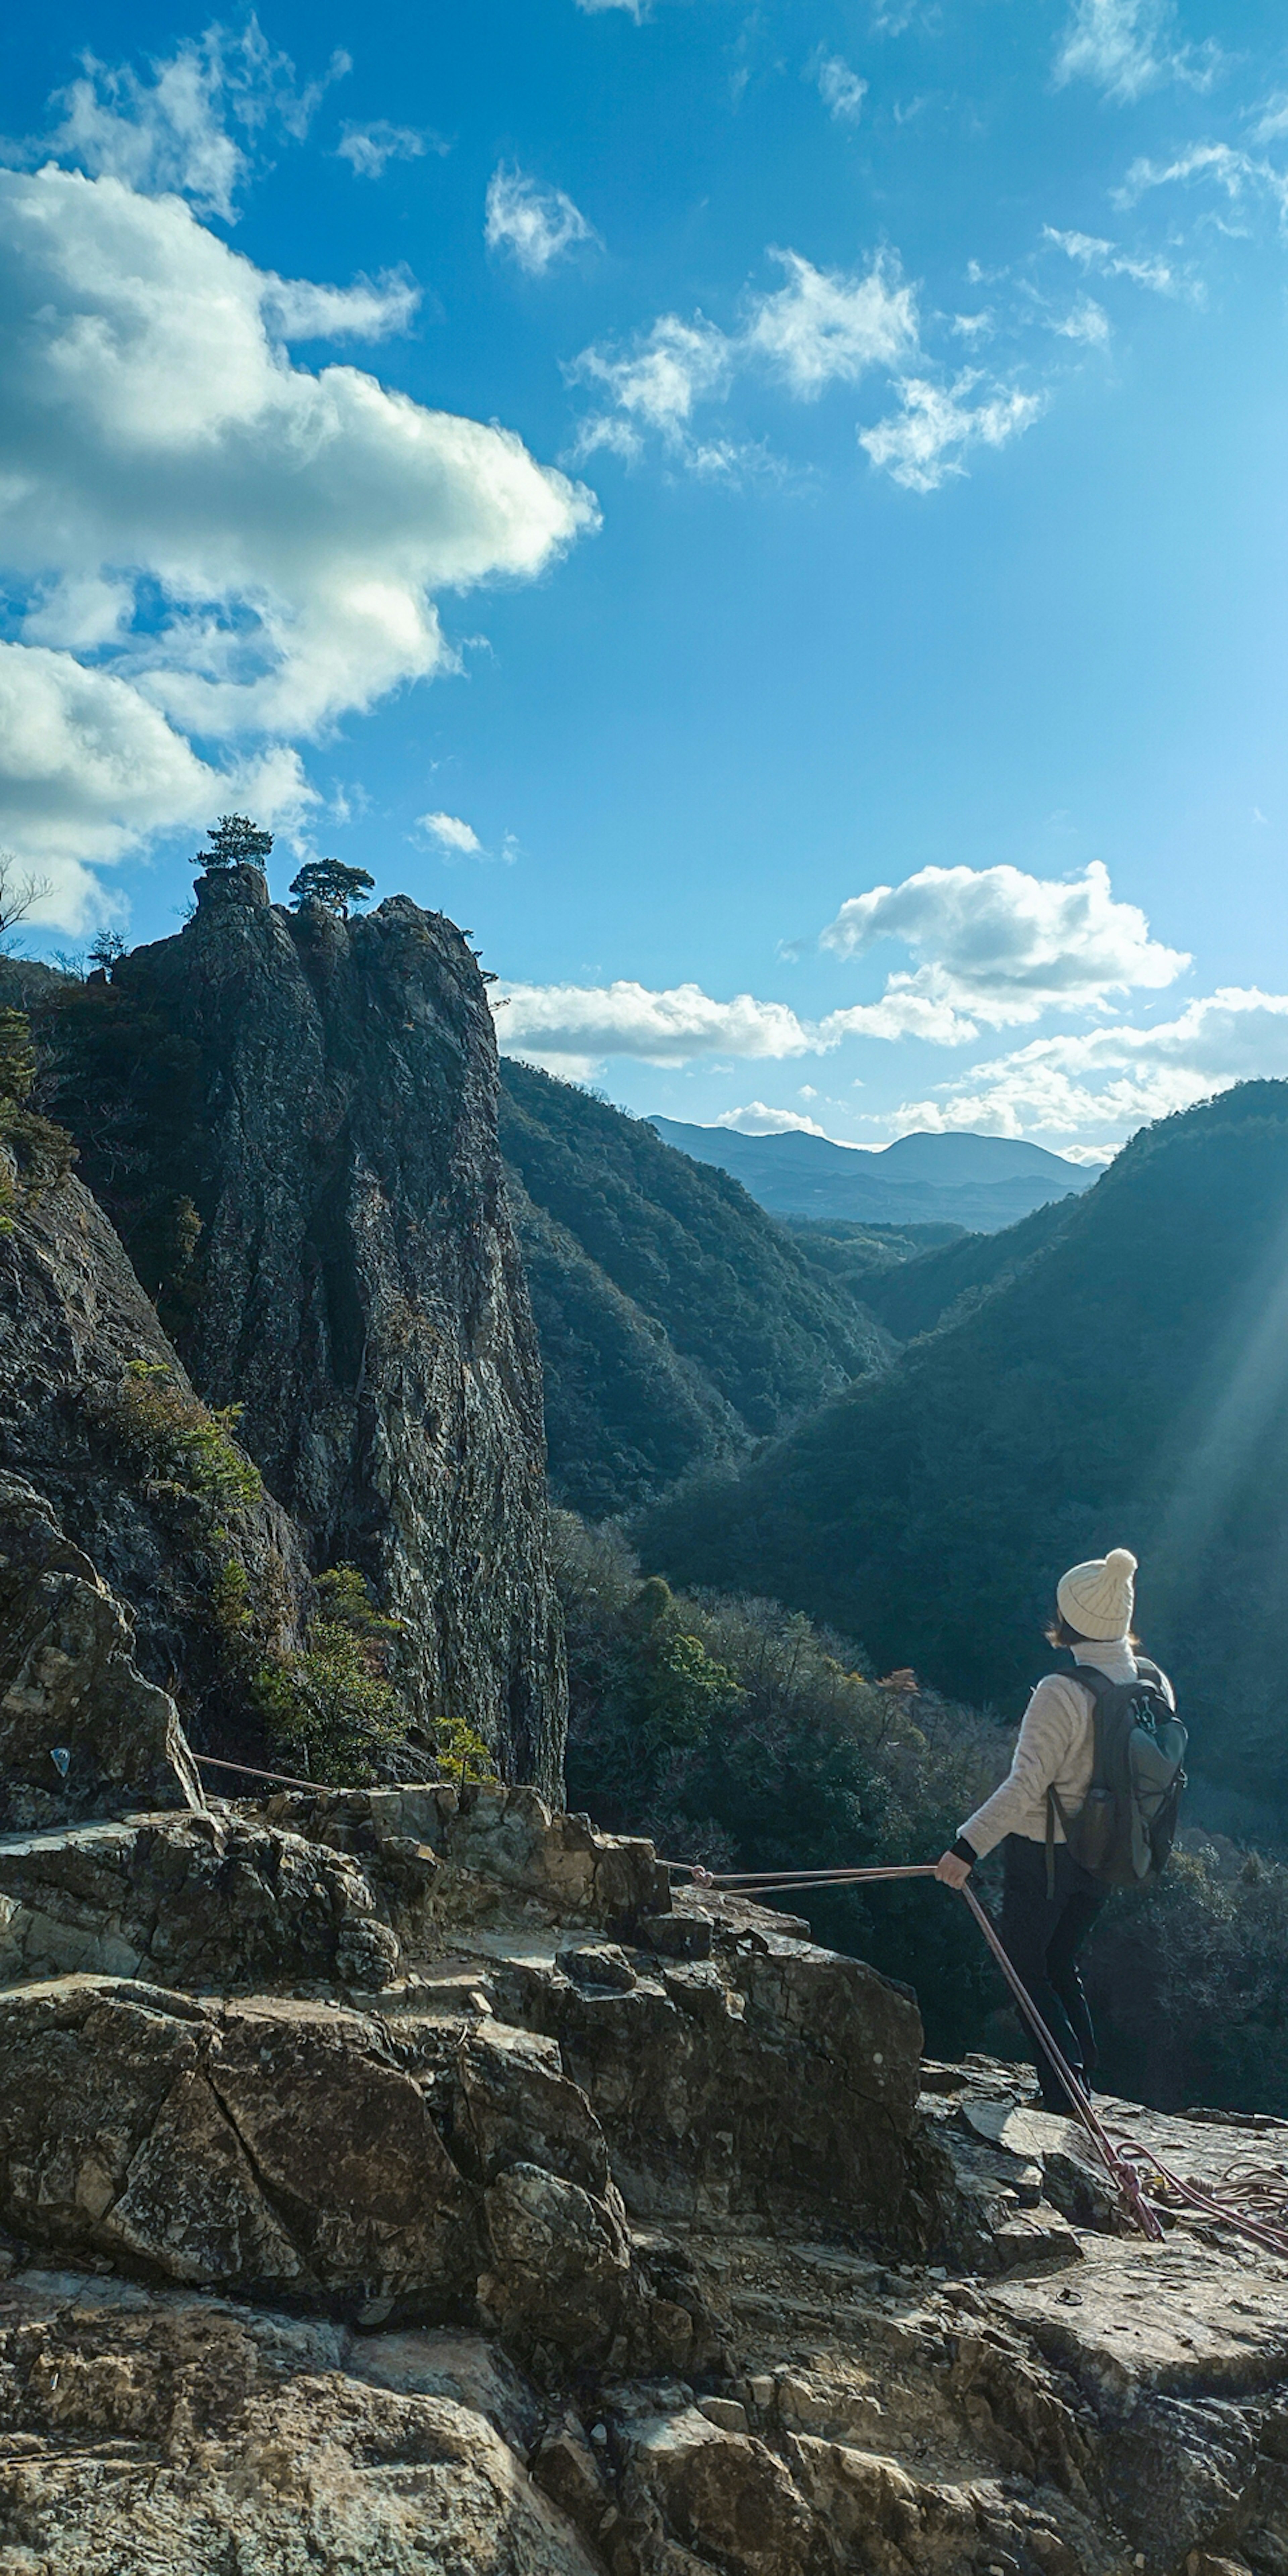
[88, 767]
[756, 1119]
[840, 88]
[373, 308]
[573, 1027]
[825, 327]
[923, 443]
[907, 1009]
[535, 225]
[1109, 1081]
[369, 149]
[636, 9]
[459, 840]
[173, 132]
[1127, 47]
[1000, 947]
[257, 546]
[452, 834]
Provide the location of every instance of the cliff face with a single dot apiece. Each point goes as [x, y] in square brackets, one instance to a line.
[80, 1351]
[292, 1122]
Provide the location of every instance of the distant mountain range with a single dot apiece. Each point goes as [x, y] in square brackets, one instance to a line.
[981, 1182]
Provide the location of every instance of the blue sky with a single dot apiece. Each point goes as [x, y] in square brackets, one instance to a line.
[772, 516]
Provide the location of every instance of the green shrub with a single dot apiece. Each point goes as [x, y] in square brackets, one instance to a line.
[42, 1153]
[184, 1444]
[336, 1707]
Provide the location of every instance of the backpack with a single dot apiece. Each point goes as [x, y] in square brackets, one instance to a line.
[1124, 1831]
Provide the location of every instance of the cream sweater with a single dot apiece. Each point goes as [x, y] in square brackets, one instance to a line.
[1056, 1749]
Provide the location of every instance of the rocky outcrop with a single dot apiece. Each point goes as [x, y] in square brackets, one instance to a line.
[209, 1902]
[614, 2233]
[179, 2432]
[80, 1728]
[325, 1160]
[84, 1488]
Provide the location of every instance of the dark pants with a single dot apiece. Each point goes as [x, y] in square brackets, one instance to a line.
[1042, 1936]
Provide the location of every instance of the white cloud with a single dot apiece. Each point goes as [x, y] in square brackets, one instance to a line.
[636, 9]
[452, 834]
[825, 327]
[1126, 47]
[373, 308]
[369, 149]
[173, 132]
[841, 89]
[907, 1009]
[535, 225]
[1108, 260]
[88, 767]
[1237, 173]
[578, 1025]
[1102, 1085]
[657, 385]
[755, 1119]
[1086, 321]
[1002, 947]
[924, 443]
[284, 532]
[1273, 119]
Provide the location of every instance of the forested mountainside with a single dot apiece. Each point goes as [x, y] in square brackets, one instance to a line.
[677, 1321]
[978, 1181]
[290, 1121]
[913, 1278]
[1128, 1385]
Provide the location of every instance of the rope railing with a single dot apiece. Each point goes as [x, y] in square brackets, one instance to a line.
[1130, 2166]
[316, 1788]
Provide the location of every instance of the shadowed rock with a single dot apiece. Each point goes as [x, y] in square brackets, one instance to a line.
[81, 1732]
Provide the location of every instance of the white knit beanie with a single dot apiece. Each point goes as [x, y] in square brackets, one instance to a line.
[1098, 1598]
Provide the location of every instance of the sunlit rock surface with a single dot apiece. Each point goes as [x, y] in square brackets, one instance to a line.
[570, 2226]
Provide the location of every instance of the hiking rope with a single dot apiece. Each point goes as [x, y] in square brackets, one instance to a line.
[1121, 2170]
[318, 1788]
[1132, 2168]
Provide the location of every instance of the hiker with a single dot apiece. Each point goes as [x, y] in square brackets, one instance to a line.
[1050, 1896]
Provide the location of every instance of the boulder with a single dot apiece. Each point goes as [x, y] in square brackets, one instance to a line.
[162, 2431]
[196, 1901]
[272, 2145]
[772, 2075]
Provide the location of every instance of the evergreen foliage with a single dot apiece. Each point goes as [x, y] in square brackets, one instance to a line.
[332, 884]
[235, 842]
[336, 1707]
[39, 1153]
[124, 1081]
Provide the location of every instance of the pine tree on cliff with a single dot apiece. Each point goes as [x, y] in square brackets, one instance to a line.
[235, 842]
[330, 882]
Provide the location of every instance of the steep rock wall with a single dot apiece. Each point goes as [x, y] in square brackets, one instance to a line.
[74, 1324]
[329, 1116]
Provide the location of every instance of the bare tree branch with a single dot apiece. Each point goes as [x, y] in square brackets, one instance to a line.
[20, 892]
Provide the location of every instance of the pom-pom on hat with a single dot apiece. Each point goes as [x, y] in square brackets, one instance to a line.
[1098, 1598]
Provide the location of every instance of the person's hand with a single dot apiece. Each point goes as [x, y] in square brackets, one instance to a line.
[951, 1870]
